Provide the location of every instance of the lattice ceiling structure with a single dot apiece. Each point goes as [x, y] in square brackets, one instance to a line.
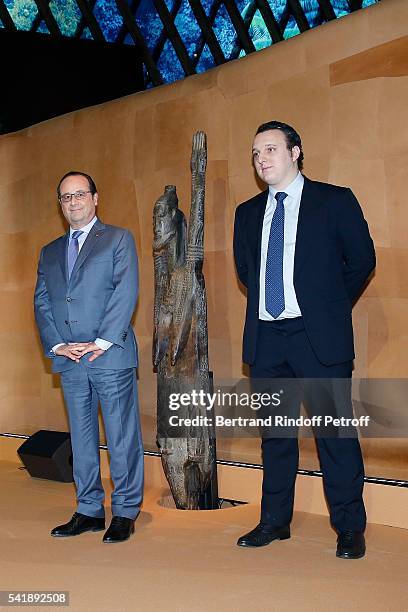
[177, 38]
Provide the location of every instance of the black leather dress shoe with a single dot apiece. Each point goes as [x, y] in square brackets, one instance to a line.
[120, 530]
[350, 545]
[77, 525]
[263, 535]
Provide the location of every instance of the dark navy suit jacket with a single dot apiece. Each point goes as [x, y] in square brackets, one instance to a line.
[334, 257]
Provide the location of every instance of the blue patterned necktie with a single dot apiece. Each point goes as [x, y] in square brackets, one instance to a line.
[73, 250]
[274, 293]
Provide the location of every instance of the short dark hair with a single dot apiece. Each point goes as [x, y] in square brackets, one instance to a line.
[291, 136]
[91, 183]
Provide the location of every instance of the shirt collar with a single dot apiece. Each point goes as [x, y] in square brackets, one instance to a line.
[86, 229]
[292, 189]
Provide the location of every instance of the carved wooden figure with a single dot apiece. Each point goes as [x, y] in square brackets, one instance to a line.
[180, 342]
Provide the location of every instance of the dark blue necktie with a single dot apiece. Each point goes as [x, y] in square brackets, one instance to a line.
[73, 250]
[274, 293]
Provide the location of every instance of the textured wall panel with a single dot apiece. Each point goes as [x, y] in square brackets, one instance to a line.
[354, 133]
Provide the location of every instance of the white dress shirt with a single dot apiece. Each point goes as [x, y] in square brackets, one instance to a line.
[102, 344]
[291, 205]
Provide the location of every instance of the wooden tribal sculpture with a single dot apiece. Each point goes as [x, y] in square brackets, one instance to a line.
[180, 342]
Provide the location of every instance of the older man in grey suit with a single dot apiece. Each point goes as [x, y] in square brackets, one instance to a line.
[84, 300]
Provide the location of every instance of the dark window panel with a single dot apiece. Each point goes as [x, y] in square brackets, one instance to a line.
[278, 8]
[22, 16]
[206, 60]
[274, 28]
[109, 18]
[128, 40]
[36, 24]
[312, 12]
[170, 4]
[206, 25]
[341, 7]
[220, 29]
[133, 29]
[299, 15]
[133, 6]
[45, 12]
[225, 31]
[89, 20]
[248, 14]
[207, 29]
[355, 4]
[188, 27]
[241, 4]
[150, 26]
[259, 32]
[147, 81]
[207, 6]
[87, 34]
[169, 64]
[139, 8]
[242, 38]
[327, 10]
[42, 28]
[5, 18]
[164, 35]
[292, 28]
[174, 35]
[67, 15]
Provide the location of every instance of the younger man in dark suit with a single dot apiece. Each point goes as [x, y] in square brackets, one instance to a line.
[303, 251]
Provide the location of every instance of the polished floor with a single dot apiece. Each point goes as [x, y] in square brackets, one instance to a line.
[188, 561]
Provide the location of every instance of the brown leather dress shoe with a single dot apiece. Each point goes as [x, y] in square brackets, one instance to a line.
[120, 530]
[263, 535]
[77, 525]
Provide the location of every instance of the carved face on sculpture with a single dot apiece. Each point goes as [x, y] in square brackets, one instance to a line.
[164, 218]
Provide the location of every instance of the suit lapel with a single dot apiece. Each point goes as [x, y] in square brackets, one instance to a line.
[62, 255]
[94, 235]
[256, 231]
[306, 227]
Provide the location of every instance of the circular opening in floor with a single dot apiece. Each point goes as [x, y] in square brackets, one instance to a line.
[167, 501]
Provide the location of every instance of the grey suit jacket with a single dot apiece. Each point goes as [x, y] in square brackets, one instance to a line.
[96, 302]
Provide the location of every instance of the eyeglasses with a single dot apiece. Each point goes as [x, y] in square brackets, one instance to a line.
[78, 195]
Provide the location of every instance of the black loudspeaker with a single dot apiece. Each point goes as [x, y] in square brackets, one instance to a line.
[48, 454]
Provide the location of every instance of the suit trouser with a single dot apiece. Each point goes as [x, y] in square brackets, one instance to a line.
[284, 351]
[116, 390]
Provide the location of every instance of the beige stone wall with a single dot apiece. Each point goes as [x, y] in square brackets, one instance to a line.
[343, 86]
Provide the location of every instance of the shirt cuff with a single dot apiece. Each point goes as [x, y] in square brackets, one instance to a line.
[103, 344]
[54, 348]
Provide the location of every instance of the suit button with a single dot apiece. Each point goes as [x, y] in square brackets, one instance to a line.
[66, 322]
[69, 299]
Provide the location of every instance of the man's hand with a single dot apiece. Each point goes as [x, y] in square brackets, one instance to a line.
[89, 347]
[76, 350]
[70, 351]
